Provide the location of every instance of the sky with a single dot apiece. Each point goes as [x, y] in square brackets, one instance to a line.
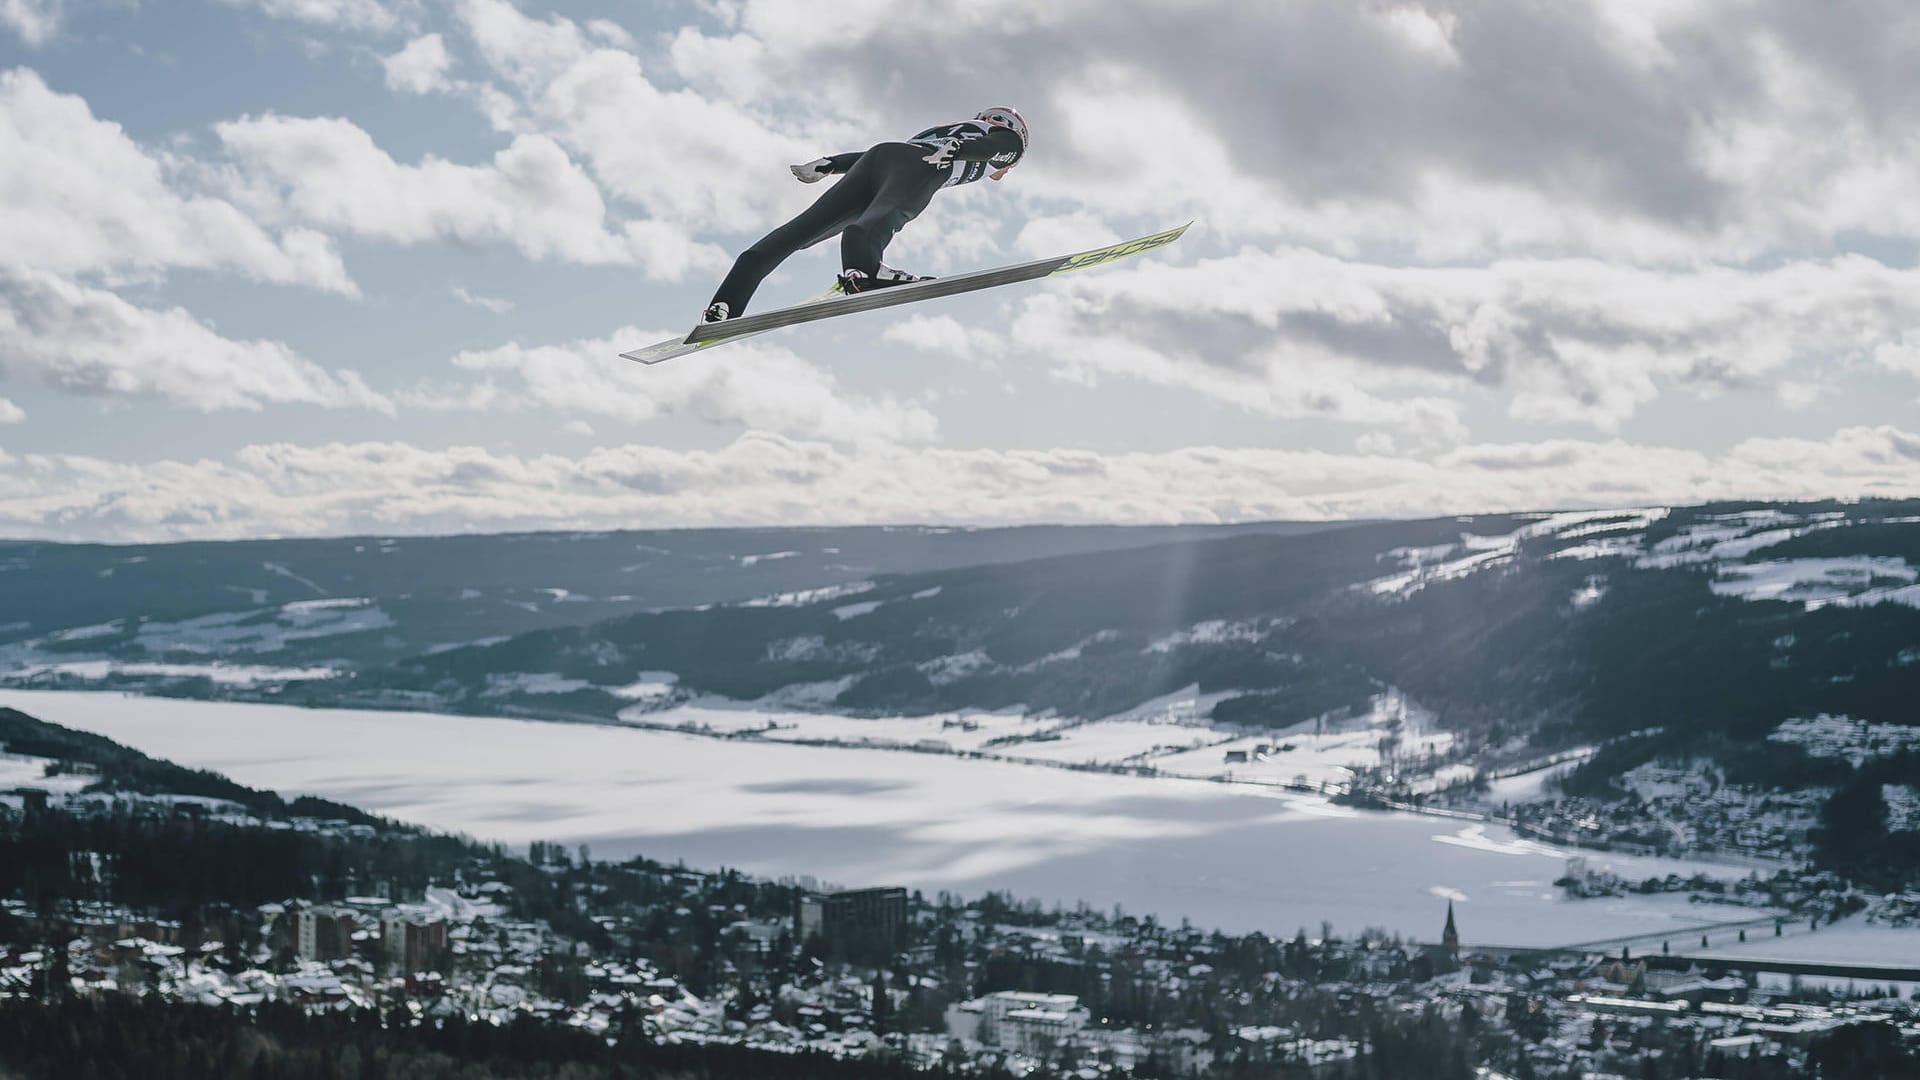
[322, 267]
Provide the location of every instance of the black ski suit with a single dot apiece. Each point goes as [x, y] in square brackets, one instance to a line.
[884, 187]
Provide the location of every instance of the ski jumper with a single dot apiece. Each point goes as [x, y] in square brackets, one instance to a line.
[884, 187]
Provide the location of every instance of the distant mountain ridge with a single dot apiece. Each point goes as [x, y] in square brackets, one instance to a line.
[1555, 627]
[1528, 631]
[264, 612]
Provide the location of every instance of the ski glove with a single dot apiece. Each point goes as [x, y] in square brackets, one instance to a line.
[812, 172]
[944, 154]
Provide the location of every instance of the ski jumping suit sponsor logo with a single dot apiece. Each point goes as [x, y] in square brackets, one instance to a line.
[964, 172]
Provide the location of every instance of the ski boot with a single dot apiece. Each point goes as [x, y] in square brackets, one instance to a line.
[858, 281]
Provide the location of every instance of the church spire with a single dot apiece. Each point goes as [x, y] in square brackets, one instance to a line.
[1450, 937]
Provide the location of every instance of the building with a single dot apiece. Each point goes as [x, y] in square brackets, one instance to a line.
[862, 923]
[1429, 961]
[321, 933]
[411, 943]
[1030, 1023]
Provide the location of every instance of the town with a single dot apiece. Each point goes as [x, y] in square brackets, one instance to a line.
[677, 955]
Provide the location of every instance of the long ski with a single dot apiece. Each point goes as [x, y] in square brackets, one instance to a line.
[832, 304]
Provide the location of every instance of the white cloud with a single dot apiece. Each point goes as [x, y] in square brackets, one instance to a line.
[1298, 333]
[1801, 396]
[78, 195]
[944, 335]
[11, 413]
[36, 21]
[684, 158]
[420, 67]
[611, 33]
[1668, 132]
[1375, 442]
[1676, 132]
[1425, 32]
[90, 341]
[531, 195]
[1900, 353]
[1061, 234]
[757, 386]
[343, 14]
[1414, 219]
[490, 303]
[761, 478]
[734, 66]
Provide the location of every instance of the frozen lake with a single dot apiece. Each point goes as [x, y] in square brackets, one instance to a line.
[1233, 856]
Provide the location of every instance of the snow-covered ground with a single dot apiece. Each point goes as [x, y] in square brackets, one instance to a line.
[21, 771]
[1442, 562]
[222, 673]
[1858, 741]
[1724, 544]
[262, 630]
[1526, 786]
[1857, 579]
[1169, 733]
[1234, 856]
[179, 646]
[1317, 753]
[966, 732]
[1293, 757]
[1114, 742]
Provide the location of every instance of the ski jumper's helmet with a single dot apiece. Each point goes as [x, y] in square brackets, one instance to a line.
[1007, 116]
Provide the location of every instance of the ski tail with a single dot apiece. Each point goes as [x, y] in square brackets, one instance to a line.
[662, 351]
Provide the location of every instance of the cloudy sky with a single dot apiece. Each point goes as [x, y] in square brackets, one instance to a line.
[279, 267]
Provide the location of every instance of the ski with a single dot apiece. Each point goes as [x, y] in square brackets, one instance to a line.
[834, 303]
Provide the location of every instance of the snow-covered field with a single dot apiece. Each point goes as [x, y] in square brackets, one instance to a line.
[1724, 543]
[1232, 856]
[262, 630]
[1524, 787]
[953, 732]
[1114, 742]
[1169, 733]
[1842, 736]
[19, 770]
[221, 673]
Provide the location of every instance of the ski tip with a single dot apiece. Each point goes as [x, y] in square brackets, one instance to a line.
[1102, 256]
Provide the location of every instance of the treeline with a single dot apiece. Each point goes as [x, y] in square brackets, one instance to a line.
[1759, 764]
[170, 862]
[178, 864]
[1315, 693]
[1854, 837]
[122, 1037]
